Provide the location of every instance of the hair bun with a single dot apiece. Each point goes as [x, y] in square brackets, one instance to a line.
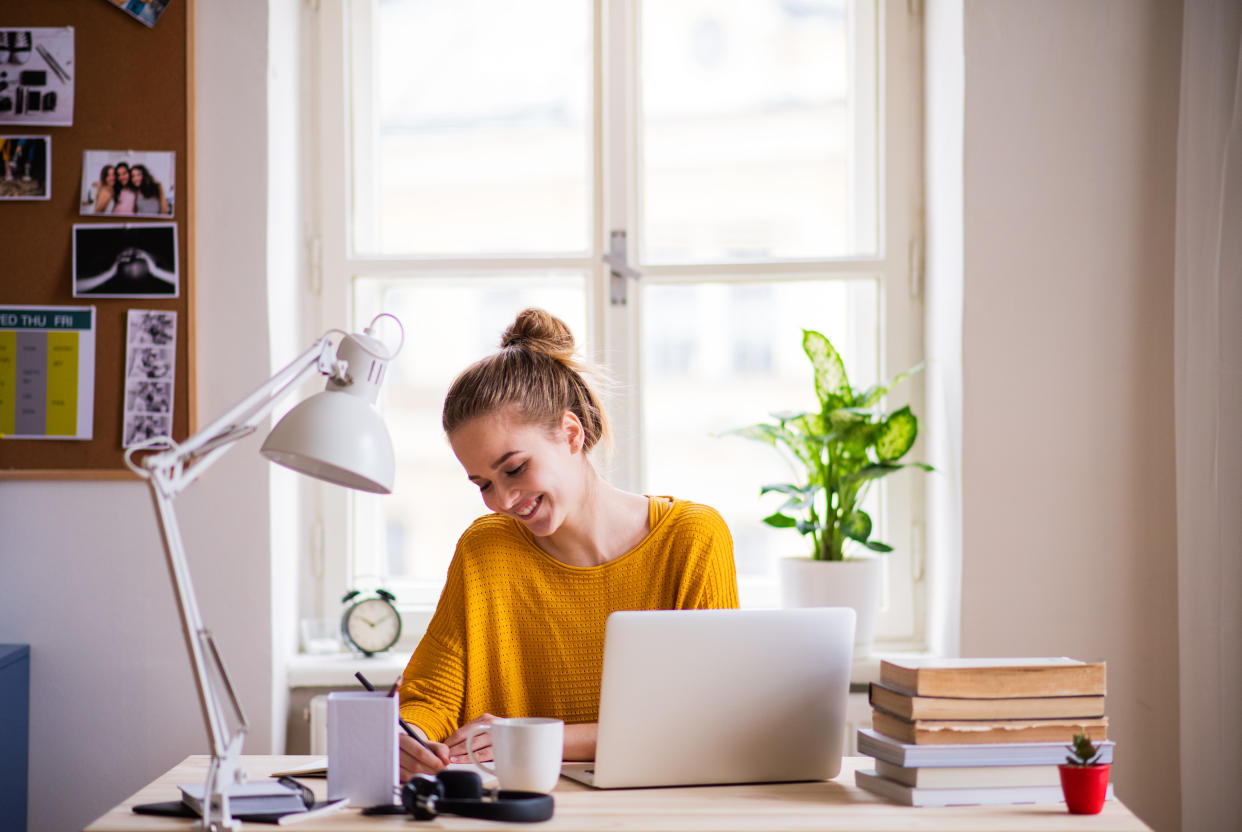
[540, 331]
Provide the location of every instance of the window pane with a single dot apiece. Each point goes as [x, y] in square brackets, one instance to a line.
[719, 356]
[758, 131]
[406, 539]
[472, 127]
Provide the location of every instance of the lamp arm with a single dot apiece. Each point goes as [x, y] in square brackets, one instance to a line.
[184, 462]
[167, 473]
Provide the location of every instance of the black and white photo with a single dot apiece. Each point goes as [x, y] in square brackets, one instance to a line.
[149, 397]
[150, 370]
[152, 327]
[140, 426]
[125, 261]
[150, 363]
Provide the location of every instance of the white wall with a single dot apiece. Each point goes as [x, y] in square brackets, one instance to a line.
[1069, 532]
[82, 574]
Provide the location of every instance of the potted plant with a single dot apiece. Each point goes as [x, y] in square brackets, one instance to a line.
[1084, 779]
[837, 453]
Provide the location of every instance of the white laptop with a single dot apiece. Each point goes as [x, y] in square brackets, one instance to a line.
[721, 696]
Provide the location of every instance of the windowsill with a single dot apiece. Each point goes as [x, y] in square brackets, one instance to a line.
[337, 669]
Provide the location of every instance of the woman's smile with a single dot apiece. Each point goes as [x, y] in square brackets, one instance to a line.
[527, 509]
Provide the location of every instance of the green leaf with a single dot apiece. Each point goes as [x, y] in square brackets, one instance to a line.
[806, 527]
[872, 472]
[877, 546]
[857, 526]
[789, 488]
[882, 469]
[761, 432]
[879, 391]
[874, 394]
[830, 379]
[787, 415]
[896, 435]
[780, 521]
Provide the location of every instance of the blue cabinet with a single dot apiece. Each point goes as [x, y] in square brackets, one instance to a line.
[14, 733]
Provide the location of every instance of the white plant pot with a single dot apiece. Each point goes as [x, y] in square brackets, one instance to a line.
[845, 583]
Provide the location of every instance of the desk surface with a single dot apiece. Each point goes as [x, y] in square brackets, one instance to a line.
[832, 805]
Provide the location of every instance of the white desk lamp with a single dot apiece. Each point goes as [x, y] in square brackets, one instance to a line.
[336, 435]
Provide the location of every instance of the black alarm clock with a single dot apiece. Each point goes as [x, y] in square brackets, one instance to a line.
[370, 624]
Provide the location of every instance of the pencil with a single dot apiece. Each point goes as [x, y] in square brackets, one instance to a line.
[409, 729]
[47, 56]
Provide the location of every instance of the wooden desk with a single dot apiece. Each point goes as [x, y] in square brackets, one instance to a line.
[831, 805]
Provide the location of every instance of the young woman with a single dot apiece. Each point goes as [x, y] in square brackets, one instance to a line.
[124, 193]
[519, 629]
[103, 189]
[149, 192]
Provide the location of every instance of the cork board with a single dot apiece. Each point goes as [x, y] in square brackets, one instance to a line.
[132, 91]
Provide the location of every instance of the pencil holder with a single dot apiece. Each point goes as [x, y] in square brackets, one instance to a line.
[362, 747]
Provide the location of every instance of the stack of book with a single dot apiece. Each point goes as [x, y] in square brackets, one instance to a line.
[951, 732]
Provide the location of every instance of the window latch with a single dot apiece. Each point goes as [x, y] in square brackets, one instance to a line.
[619, 269]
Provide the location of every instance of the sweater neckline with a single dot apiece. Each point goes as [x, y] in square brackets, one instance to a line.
[663, 518]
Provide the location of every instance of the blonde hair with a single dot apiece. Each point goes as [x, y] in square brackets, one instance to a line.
[536, 372]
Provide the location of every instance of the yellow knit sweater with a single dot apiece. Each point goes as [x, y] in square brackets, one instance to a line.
[518, 633]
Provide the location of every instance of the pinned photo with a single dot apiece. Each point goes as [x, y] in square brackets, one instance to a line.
[149, 397]
[36, 76]
[152, 327]
[142, 426]
[25, 167]
[150, 363]
[125, 261]
[150, 370]
[127, 182]
[146, 11]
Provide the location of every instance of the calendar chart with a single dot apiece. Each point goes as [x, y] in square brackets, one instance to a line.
[47, 372]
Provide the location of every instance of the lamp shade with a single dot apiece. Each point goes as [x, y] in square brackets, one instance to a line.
[337, 437]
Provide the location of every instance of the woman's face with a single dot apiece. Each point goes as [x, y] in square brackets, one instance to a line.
[109, 176]
[524, 471]
[136, 177]
[122, 175]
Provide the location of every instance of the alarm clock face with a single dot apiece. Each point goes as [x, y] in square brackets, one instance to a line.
[373, 625]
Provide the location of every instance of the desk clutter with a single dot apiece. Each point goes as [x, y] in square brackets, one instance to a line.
[956, 732]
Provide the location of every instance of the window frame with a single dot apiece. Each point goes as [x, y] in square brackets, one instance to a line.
[615, 328]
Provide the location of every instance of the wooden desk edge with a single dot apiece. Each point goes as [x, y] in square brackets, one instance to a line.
[834, 804]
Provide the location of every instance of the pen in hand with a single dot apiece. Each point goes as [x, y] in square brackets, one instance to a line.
[409, 729]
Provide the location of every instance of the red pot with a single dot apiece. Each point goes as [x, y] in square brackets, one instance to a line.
[1084, 788]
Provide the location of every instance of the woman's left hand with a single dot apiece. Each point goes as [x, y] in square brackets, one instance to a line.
[482, 741]
[579, 741]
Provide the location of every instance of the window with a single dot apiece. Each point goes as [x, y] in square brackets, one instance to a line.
[755, 162]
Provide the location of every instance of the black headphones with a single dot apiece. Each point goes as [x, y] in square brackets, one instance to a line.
[461, 793]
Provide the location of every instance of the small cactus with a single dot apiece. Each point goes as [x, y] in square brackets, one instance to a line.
[1085, 752]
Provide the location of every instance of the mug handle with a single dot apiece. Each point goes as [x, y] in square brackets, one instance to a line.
[470, 735]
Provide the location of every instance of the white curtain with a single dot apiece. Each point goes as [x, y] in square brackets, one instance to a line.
[1208, 412]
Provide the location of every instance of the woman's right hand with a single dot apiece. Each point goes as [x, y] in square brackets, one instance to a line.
[415, 759]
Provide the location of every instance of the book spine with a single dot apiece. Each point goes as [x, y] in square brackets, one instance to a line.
[997, 683]
[872, 744]
[938, 732]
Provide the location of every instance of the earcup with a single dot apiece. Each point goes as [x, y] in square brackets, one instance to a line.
[461, 785]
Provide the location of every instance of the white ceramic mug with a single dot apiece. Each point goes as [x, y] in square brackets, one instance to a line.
[527, 752]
